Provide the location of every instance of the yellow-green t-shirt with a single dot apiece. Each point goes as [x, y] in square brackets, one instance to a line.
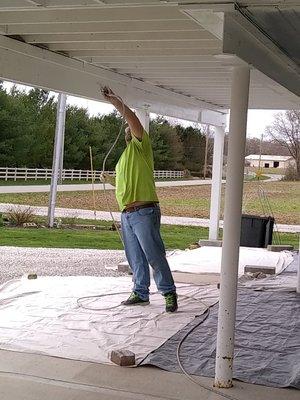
[134, 173]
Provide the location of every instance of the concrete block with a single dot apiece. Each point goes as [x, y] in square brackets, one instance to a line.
[279, 247]
[124, 267]
[124, 358]
[196, 279]
[213, 243]
[261, 269]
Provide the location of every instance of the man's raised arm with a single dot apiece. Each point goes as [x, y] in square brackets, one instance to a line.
[132, 120]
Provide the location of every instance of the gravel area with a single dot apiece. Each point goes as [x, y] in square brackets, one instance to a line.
[17, 261]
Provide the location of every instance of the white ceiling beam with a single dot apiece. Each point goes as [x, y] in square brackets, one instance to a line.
[199, 84]
[72, 3]
[201, 91]
[220, 5]
[149, 45]
[178, 70]
[89, 14]
[159, 66]
[149, 60]
[206, 93]
[184, 79]
[34, 66]
[198, 74]
[15, 3]
[194, 35]
[143, 53]
[102, 27]
[171, 72]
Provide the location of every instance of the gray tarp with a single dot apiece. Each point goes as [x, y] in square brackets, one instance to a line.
[267, 343]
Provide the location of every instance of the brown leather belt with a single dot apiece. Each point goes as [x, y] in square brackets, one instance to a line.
[136, 208]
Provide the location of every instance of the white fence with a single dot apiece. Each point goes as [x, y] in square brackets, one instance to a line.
[69, 174]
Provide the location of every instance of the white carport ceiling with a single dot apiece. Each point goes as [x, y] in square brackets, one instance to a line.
[167, 55]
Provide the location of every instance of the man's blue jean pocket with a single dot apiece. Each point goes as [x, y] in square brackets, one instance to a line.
[146, 211]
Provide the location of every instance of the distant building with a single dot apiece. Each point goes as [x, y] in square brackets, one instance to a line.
[267, 161]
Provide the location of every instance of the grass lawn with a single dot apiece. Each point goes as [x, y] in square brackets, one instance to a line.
[175, 237]
[256, 178]
[276, 171]
[189, 201]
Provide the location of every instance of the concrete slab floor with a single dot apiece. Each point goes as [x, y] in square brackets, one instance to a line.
[37, 377]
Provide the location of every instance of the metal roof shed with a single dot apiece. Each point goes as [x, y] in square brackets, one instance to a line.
[191, 60]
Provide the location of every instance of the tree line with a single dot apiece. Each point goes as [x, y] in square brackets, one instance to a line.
[27, 128]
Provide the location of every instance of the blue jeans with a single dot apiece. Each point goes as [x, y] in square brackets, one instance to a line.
[144, 246]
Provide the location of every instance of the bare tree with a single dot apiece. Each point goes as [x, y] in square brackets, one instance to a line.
[285, 130]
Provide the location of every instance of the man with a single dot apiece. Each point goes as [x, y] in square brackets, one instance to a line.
[137, 199]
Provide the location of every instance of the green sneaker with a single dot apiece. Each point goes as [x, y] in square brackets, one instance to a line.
[171, 302]
[135, 300]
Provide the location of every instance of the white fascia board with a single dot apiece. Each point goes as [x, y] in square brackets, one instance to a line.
[244, 40]
[23, 63]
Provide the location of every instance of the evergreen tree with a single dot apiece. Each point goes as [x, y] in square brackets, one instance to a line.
[193, 142]
[166, 144]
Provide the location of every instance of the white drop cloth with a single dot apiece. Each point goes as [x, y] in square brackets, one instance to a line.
[42, 316]
[208, 259]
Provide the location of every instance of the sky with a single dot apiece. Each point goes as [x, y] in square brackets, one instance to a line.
[258, 120]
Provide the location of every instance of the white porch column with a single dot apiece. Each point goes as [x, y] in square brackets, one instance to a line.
[232, 226]
[58, 142]
[144, 117]
[216, 186]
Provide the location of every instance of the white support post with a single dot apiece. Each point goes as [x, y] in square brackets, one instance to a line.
[216, 186]
[60, 115]
[232, 226]
[144, 117]
[61, 161]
